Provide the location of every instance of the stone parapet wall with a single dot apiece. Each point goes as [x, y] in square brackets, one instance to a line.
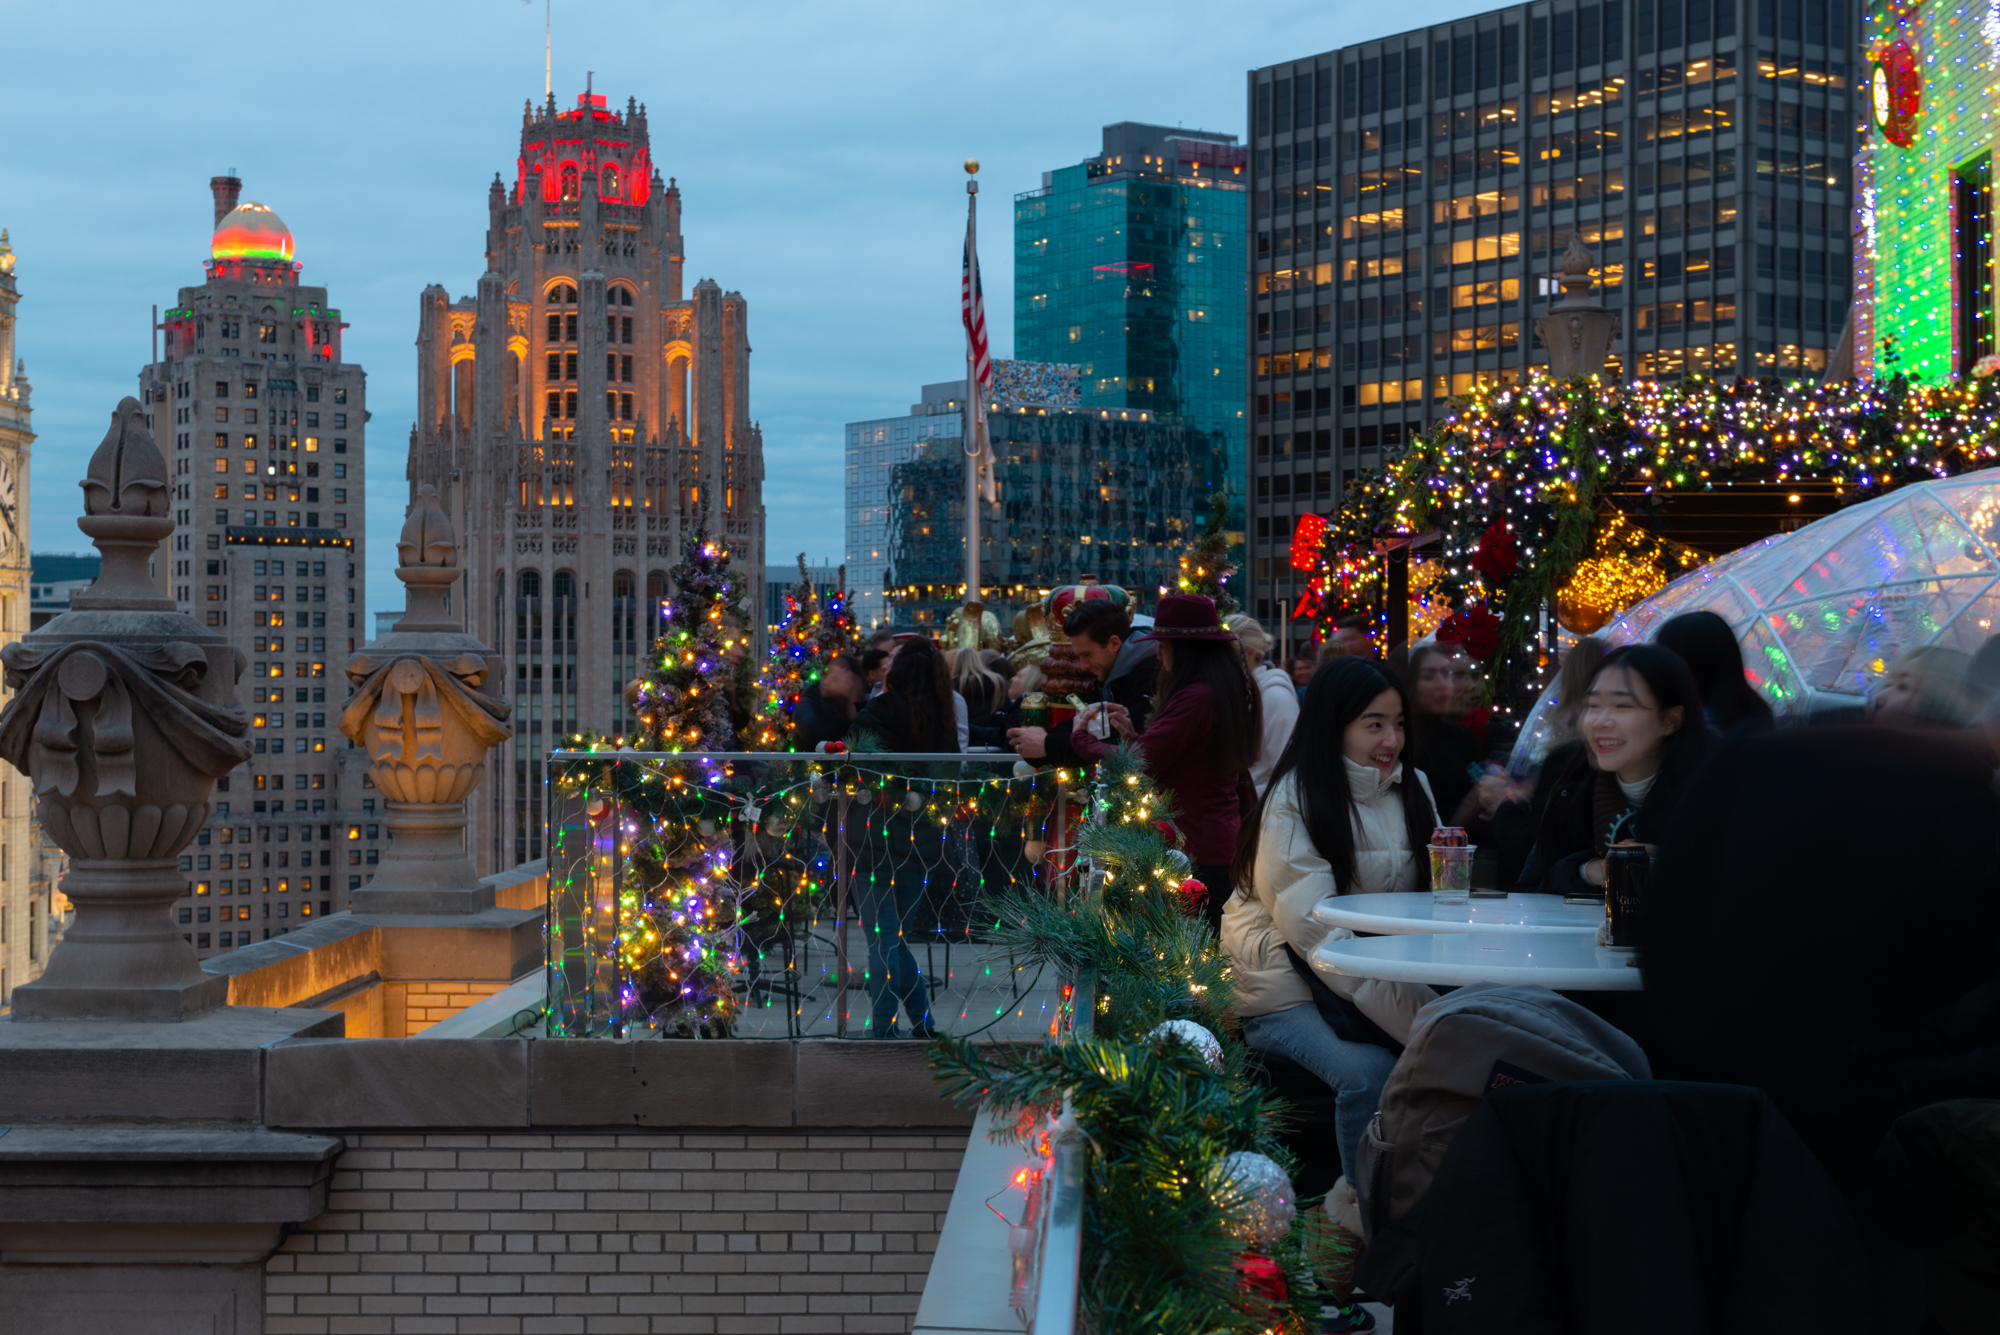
[819, 1233]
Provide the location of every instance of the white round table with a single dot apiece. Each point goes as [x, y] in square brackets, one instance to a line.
[1559, 960]
[1403, 913]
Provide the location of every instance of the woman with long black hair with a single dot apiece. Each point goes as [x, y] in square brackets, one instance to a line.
[1343, 815]
[913, 713]
[1715, 661]
[1645, 735]
[1203, 736]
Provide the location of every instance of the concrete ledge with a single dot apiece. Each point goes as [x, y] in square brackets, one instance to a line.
[491, 1083]
[502, 1015]
[398, 1082]
[208, 1069]
[497, 945]
[845, 1083]
[523, 887]
[313, 961]
[726, 1083]
[156, 1175]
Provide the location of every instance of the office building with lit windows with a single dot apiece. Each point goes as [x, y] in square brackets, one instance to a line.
[266, 424]
[1129, 265]
[1412, 194]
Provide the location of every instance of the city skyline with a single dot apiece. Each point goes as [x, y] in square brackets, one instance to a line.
[837, 210]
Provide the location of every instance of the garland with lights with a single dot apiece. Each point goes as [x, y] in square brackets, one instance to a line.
[815, 630]
[679, 916]
[1177, 1240]
[1518, 483]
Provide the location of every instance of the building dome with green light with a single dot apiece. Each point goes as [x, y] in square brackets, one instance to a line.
[250, 231]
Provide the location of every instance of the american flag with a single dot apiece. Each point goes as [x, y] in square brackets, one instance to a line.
[972, 306]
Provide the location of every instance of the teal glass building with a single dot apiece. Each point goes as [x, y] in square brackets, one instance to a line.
[1134, 266]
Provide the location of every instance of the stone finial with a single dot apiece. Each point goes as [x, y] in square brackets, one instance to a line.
[123, 716]
[126, 514]
[427, 538]
[6, 253]
[128, 474]
[427, 707]
[1577, 331]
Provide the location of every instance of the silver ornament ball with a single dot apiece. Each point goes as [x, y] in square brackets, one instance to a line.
[1260, 1199]
[1192, 1034]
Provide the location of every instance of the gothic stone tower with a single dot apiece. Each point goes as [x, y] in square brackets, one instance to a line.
[24, 891]
[579, 417]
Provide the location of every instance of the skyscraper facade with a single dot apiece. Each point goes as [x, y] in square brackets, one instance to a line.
[1110, 492]
[25, 893]
[580, 417]
[1129, 265]
[874, 448]
[1412, 195]
[265, 424]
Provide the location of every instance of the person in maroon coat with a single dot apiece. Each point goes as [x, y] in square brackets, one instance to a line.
[1204, 733]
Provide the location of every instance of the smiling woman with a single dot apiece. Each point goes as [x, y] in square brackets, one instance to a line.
[1643, 736]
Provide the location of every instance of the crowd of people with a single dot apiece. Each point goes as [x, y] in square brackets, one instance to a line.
[1864, 841]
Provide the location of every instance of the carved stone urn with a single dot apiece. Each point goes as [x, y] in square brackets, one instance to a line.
[1577, 331]
[124, 714]
[427, 707]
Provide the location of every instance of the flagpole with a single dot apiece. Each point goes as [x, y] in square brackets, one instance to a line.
[975, 605]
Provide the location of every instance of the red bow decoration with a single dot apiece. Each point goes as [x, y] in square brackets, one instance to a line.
[1493, 555]
[1475, 629]
[1261, 1281]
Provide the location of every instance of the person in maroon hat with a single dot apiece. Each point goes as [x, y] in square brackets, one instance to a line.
[1204, 734]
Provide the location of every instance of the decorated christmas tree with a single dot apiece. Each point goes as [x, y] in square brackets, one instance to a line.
[680, 699]
[678, 904]
[1205, 567]
[815, 630]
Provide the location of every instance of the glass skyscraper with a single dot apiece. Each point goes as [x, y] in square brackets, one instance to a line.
[1131, 265]
[1413, 195]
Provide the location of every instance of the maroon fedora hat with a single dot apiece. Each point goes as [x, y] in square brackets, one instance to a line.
[1186, 616]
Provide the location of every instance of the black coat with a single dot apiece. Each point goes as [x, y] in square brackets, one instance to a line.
[1825, 925]
[1571, 827]
[886, 718]
[1516, 823]
[1131, 684]
[1629, 1207]
[816, 720]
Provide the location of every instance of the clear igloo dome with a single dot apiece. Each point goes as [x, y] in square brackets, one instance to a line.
[1821, 613]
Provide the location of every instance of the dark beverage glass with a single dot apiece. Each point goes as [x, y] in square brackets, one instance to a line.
[1626, 871]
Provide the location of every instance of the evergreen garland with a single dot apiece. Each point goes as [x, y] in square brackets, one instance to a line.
[1159, 1256]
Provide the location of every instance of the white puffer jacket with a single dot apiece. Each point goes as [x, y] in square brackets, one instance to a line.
[1291, 877]
[1280, 696]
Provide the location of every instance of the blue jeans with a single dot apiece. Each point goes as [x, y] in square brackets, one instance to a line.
[887, 895]
[1355, 1071]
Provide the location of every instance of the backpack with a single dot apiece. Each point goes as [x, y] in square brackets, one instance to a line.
[1479, 1037]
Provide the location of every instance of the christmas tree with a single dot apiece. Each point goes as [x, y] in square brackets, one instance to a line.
[1205, 567]
[680, 700]
[814, 631]
[678, 906]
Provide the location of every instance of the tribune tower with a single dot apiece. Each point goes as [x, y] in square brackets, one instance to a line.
[579, 416]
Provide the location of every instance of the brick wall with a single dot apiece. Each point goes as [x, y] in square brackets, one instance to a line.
[760, 1233]
[423, 1004]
